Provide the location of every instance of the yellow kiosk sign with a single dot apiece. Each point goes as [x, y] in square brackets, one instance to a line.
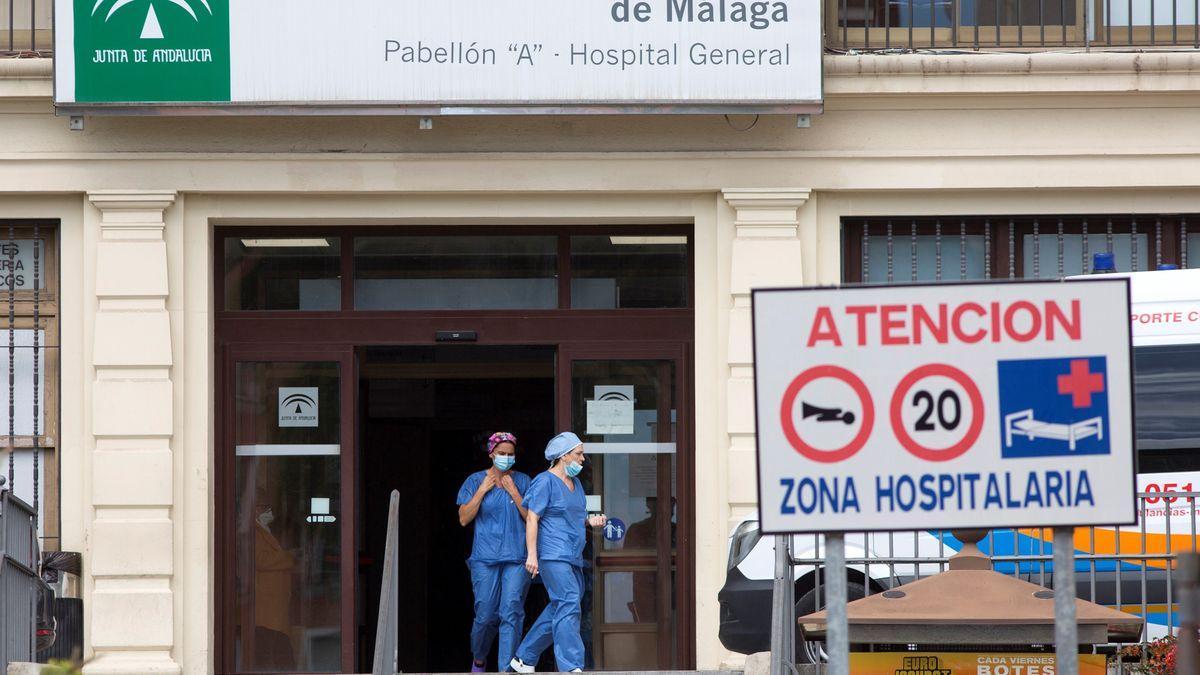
[951, 663]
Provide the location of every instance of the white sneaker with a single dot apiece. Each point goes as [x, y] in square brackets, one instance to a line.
[520, 666]
[577, 670]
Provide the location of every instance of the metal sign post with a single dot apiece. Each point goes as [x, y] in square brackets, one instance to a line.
[1188, 656]
[1066, 630]
[783, 629]
[837, 632]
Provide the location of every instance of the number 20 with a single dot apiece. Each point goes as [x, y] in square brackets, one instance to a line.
[948, 398]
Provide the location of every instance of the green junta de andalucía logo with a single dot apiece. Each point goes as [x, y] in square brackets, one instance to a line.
[151, 28]
[131, 51]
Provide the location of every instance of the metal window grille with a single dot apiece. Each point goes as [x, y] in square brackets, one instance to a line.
[28, 284]
[27, 27]
[874, 25]
[898, 249]
[1021, 24]
[28, 290]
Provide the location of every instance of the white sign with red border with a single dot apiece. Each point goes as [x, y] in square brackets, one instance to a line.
[944, 406]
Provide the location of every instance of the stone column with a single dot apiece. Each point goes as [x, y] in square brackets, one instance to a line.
[766, 252]
[129, 557]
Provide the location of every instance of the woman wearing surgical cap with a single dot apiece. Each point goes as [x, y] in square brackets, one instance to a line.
[492, 499]
[555, 528]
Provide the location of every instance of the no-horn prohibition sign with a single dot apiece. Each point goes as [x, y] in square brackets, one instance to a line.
[1001, 405]
[864, 420]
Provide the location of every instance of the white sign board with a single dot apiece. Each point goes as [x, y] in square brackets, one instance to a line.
[943, 406]
[610, 412]
[431, 53]
[299, 406]
[611, 418]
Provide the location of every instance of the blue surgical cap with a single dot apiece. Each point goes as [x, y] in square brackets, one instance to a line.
[561, 445]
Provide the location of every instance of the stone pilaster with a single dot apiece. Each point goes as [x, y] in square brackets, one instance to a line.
[130, 556]
[766, 252]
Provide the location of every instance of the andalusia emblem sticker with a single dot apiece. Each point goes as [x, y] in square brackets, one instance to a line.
[151, 50]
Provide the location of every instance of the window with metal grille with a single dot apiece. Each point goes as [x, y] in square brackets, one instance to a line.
[29, 382]
[902, 249]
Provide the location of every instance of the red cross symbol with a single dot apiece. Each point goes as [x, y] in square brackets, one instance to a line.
[1080, 384]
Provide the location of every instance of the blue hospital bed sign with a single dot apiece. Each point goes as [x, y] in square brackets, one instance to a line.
[956, 405]
[1054, 407]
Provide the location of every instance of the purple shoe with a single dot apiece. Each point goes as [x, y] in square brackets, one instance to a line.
[478, 667]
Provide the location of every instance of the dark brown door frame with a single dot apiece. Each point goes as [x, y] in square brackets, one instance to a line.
[684, 563]
[265, 345]
[225, 543]
[296, 335]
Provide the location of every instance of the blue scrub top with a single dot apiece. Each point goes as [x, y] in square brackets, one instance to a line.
[561, 518]
[499, 528]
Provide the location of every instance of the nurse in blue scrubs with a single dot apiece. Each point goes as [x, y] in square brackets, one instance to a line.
[493, 500]
[555, 527]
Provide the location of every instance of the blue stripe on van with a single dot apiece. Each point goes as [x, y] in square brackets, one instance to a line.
[1011, 542]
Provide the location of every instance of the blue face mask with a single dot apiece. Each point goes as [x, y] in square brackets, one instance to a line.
[504, 462]
[574, 469]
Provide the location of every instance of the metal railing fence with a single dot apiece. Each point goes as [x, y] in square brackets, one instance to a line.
[27, 27]
[1130, 568]
[18, 580]
[1188, 657]
[875, 25]
[883, 25]
[900, 249]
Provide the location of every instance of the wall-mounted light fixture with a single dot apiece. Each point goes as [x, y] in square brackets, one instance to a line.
[285, 243]
[648, 240]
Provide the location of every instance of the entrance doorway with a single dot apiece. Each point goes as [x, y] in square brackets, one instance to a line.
[354, 361]
[426, 413]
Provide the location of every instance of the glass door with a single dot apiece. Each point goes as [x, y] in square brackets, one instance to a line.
[627, 407]
[288, 511]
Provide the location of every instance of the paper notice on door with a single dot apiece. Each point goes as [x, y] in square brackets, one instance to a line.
[643, 475]
[610, 417]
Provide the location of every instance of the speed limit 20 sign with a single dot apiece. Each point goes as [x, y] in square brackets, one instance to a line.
[952, 405]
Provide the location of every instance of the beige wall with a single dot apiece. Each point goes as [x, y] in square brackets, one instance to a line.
[902, 135]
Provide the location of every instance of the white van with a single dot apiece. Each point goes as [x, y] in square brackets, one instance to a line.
[1166, 340]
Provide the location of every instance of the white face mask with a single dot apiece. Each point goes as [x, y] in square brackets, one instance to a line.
[266, 518]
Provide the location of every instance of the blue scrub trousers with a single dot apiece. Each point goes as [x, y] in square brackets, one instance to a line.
[559, 622]
[499, 604]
